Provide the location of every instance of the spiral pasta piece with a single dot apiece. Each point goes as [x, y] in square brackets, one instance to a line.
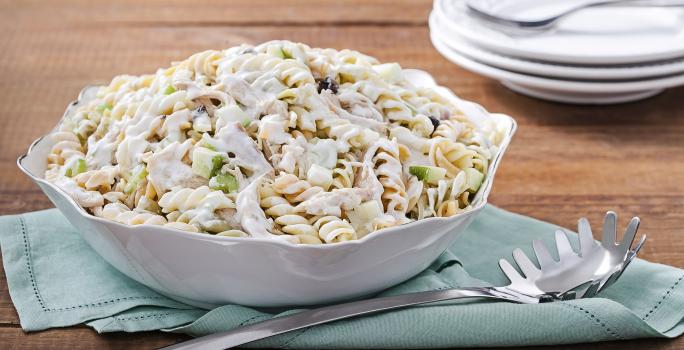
[388, 169]
[273, 203]
[451, 156]
[447, 199]
[202, 64]
[391, 105]
[184, 199]
[300, 227]
[294, 189]
[66, 150]
[290, 72]
[182, 226]
[448, 129]
[198, 207]
[344, 173]
[120, 213]
[100, 179]
[421, 126]
[348, 135]
[333, 229]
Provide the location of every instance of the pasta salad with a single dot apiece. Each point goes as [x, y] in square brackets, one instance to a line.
[279, 141]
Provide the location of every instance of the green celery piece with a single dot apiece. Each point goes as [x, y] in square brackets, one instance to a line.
[136, 179]
[169, 90]
[103, 107]
[205, 162]
[216, 164]
[80, 167]
[207, 145]
[429, 174]
[418, 171]
[474, 179]
[224, 182]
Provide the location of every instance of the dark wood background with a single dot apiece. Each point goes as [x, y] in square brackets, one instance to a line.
[565, 162]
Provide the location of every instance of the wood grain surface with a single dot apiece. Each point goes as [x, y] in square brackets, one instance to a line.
[565, 162]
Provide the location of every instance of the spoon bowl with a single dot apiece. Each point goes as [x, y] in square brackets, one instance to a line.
[594, 268]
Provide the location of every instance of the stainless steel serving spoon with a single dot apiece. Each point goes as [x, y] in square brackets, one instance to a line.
[541, 24]
[583, 275]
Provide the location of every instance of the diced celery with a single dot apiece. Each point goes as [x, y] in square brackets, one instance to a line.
[139, 175]
[78, 167]
[205, 144]
[103, 107]
[169, 90]
[205, 162]
[224, 182]
[429, 174]
[474, 179]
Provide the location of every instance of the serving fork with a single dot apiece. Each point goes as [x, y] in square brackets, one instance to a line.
[549, 21]
[574, 275]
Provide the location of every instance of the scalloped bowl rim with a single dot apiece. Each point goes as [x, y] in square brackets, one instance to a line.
[482, 201]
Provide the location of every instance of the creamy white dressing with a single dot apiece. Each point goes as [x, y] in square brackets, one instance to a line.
[246, 95]
[368, 181]
[292, 156]
[359, 105]
[101, 152]
[333, 104]
[174, 125]
[333, 202]
[323, 152]
[417, 146]
[166, 168]
[233, 139]
[130, 150]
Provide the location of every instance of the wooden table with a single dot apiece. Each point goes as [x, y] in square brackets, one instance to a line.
[565, 162]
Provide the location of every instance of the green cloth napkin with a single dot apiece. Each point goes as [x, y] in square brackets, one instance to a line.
[56, 280]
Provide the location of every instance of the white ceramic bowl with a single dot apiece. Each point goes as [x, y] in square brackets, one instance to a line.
[206, 271]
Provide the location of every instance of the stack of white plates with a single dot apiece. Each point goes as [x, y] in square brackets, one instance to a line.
[595, 56]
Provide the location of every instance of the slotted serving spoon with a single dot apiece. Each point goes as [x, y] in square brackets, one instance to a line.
[583, 275]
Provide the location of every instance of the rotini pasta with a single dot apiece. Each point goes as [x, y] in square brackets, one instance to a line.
[278, 141]
[333, 229]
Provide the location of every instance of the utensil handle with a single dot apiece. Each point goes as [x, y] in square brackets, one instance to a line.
[279, 325]
[647, 3]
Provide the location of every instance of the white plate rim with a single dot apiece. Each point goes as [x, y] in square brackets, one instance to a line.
[508, 49]
[554, 84]
[555, 70]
